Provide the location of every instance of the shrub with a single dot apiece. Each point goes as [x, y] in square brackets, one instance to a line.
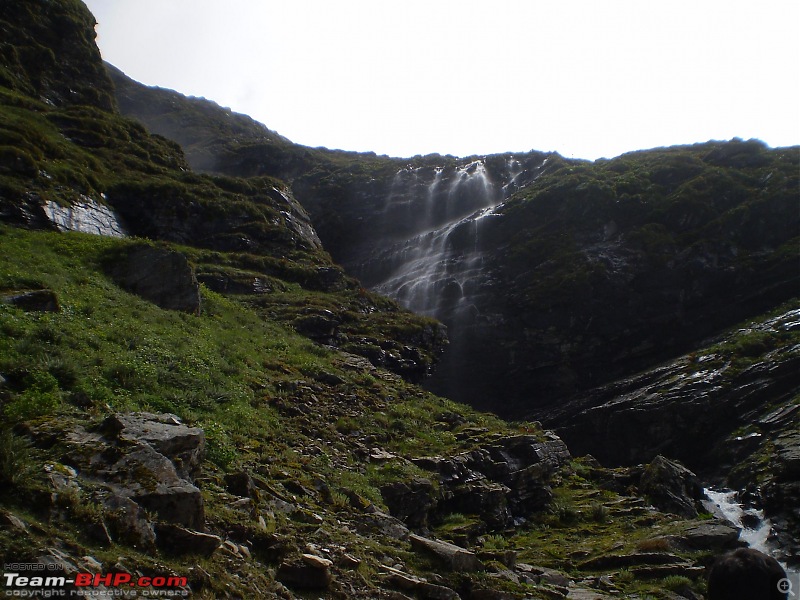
[41, 397]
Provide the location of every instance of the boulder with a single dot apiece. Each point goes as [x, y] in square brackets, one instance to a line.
[410, 501]
[454, 557]
[671, 487]
[182, 445]
[34, 300]
[306, 572]
[712, 535]
[128, 522]
[163, 277]
[150, 480]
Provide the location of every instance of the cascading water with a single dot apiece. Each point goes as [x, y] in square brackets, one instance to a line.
[755, 528]
[435, 269]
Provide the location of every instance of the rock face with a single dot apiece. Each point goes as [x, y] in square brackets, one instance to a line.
[556, 274]
[671, 487]
[87, 217]
[501, 482]
[53, 57]
[161, 276]
[142, 463]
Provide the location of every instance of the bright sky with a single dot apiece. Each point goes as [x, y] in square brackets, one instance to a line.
[586, 78]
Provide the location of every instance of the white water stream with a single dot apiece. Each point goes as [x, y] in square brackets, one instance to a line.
[755, 527]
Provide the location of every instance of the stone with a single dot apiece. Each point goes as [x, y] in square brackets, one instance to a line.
[11, 522]
[671, 487]
[712, 535]
[240, 484]
[306, 572]
[180, 541]
[419, 585]
[410, 501]
[128, 522]
[163, 277]
[34, 300]
[384, 524]
[184, 446]
[617, 561]
[544, 575]
[454, 557]
[150, 479]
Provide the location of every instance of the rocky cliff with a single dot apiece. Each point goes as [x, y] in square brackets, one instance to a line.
[553, 276]
[199, 395]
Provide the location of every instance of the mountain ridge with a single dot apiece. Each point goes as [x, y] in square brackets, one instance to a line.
[264, 436]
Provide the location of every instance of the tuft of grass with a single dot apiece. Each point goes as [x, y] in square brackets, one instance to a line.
[16, 460]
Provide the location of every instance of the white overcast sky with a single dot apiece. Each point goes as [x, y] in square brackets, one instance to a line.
[586, 78]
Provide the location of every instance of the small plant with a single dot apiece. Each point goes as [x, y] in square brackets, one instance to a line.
[564, 511]
[599, 512]
[624, 576]
[676, 583]
[15, 458]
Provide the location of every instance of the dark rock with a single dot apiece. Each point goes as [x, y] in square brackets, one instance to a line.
[420, 586]
[544, 575]
[180, 541]
[454, 557]
[161, 276]
[11, 522]
[410, 501]
[384, 524]
[240, 484]
[150, 480]
[34, 300]
[306, 572]
[671, 487]
[709, 536]
[129, 523]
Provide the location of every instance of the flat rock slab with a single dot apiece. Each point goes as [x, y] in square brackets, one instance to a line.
[455, 557]
[711, 535]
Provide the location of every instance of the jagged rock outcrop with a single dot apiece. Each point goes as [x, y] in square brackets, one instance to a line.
[139, 464]
[503, 483]
[671, 487]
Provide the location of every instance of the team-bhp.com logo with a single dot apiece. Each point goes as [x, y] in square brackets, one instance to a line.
[93, 585]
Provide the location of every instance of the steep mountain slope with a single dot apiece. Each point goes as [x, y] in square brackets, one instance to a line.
[552, 275]
[199, 399]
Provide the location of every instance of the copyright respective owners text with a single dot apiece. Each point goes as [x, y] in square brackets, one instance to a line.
[36, 580]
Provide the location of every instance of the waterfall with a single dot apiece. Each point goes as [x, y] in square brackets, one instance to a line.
[755, 527]
[436, 267]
